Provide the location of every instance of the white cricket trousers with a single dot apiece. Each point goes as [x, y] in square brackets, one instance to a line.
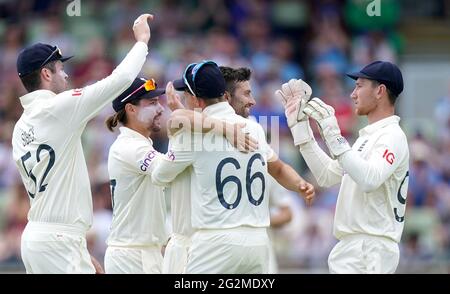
[133, 260]
[176, 255]
[364, 254]
[50, 248]
[242, 250]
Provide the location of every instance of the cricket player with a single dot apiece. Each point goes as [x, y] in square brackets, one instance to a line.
[48, 153]
[176, 251]
[280, 215]
[239, 94]
[229, 213]
[138, 229]
[370, 210]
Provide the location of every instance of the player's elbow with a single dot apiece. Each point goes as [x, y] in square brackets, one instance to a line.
[157, 179]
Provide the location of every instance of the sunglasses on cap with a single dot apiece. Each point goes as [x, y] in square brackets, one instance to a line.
[194, 72]
[149, 85]
[57, 50]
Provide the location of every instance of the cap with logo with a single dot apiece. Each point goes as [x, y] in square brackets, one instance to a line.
[36, 56]
[203, 80]
[139, 89]
[384, 72]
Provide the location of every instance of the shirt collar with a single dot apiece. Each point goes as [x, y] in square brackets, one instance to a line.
[372, 128]
[124, 131]
[221, 108]
[30, 98]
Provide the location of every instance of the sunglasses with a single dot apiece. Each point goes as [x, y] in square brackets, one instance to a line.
[149, 85]
[194, 72]
[57, 50]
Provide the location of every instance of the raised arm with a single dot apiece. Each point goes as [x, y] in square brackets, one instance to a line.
[193, 121]
[294, 96]
[78, 106]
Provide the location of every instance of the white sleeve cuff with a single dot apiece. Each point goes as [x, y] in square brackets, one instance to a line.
[302, 133]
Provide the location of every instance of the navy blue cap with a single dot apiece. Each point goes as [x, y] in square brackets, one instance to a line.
[384, 72]
[208, 84]
[36, 56]
[137, 91]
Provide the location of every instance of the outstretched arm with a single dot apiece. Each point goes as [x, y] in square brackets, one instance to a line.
[197, 122]
[286, 176]
[77, 107]
[294, 95]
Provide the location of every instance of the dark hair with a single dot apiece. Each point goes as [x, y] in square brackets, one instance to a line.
[391, 96]
[32, 81]
[233, 76]
[121, 116]
[211, 101]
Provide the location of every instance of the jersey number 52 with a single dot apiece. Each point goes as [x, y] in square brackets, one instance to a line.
[51, 162]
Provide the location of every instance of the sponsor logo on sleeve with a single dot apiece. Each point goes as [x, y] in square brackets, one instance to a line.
[145, 163]
[171, 155]
[389, 156]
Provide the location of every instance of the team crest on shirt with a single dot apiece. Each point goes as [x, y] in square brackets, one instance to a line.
[145, 163]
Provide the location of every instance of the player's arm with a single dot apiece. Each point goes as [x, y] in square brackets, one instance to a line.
[286, 176]
[325, 170]
[177, 159]
[98, 267]
[281, 217]
[294, 96]
[371, 173]
[193, 121]
[80, 105]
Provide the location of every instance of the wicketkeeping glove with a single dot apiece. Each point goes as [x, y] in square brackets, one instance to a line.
[323, 114]
[294, 96]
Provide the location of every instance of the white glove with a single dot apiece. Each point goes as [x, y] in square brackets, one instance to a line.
[294, 96]
[323, 114]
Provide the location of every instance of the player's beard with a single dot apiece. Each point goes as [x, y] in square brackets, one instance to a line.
[156, 125]
[150, 117]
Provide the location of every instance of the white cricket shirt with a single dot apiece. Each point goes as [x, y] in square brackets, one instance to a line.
[47, 144]
[372, 196]
[228, 187]
[139, 207]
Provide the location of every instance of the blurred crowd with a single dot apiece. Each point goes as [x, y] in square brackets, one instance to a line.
[314, 40]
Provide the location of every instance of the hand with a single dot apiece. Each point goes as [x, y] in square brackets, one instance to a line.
[323, 114]
[141, 28]
[308, 192]
[240, 140]
[173, 99]
[294, 95]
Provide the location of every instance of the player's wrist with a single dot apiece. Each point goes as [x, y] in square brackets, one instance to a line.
[302, 132]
